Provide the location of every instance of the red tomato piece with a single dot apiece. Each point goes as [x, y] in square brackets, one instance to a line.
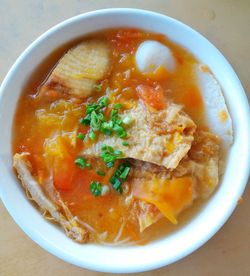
[63, 173]
[151, 96]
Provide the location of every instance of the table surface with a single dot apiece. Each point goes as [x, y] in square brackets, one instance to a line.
[226, 23]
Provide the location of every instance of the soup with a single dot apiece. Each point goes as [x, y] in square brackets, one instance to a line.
[115, 136]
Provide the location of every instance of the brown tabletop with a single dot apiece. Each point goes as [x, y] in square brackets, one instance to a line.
[226, 23]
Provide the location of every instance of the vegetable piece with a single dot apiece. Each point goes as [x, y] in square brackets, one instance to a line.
[96, 188]
[59, 159]
[109, 155]
[92, 135]
[86, 120]
[99, 172]
[103, 102]
[151, 96]
[117, 106]
[80, 136]
[110, 164]
[82, 163]
[116, 183]
[125, 143]
[106, 128]
[96, 120]
[120, 175]
[63, 172]
[124, 174]
[120, 131]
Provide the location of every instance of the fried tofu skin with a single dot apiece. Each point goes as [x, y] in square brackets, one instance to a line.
[57, 211]
[159, 137]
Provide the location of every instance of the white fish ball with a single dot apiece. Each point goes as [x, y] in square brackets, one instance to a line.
[151, 54]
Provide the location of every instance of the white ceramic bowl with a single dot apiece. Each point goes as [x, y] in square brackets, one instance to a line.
[182, 242]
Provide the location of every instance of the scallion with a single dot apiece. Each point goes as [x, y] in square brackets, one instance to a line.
[80, 136]
[81, 163]
[96, 188]
[117, 106]
[99, 172]
[92, 135]
[125, 143]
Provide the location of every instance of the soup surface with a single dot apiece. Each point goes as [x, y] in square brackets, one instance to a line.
[111, 138]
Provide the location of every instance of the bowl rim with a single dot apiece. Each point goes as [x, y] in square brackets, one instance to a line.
[44, 243]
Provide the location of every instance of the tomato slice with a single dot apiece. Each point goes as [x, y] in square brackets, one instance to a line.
[63, 173]
[151, 96]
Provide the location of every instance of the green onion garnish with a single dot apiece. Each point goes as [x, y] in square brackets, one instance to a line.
[103, 102]
[96, 188]
[81, 163]
[125, 173]
[92, 135]
[110, 164]
[125, 143]
[108, 154]
[86, 120]
[101, 173]
[80, 136]
[120, 131]
[96, 120]
[117, 106]
[120, 175]
[116, 183]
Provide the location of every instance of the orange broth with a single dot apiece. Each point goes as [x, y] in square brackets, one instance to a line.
[105, 213]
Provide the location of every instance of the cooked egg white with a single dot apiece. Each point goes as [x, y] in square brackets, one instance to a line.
[151, 55]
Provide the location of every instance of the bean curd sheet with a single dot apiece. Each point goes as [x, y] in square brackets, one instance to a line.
[113, 143]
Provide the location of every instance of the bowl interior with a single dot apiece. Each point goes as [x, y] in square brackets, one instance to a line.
[181, 242]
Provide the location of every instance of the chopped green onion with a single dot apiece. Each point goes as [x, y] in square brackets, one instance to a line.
[118, 152]
[81, 163]
[98, 87]
[108, 154]
[96, 188]
[125, 173]
[103, 101]
[107, 127]
[120, 131]
[95, 121]
[86, 120]
[92, 135]
[116, 183]
[101, 173]
[107, 148]
[110, 164]
[114, 115]
[80, 136]
[125, 143]
[91, 107]
[120, 175]
[117, 106]
[107, 157]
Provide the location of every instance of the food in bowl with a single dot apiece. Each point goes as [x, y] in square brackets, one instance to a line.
[125, 130]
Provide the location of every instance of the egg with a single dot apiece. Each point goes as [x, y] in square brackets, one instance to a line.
[151, 55]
